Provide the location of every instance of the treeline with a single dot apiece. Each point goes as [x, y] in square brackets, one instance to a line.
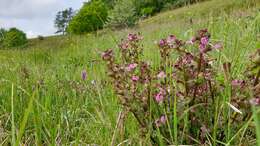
[97, 14]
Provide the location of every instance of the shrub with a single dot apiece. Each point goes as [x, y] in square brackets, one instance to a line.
[14, 38]
[2, 35]
[185, 95]
[148, 11]
[90, 17]
[151, 6]
[123, 14]
[40, 37]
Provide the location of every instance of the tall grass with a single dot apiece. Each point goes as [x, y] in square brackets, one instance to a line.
[44, 101]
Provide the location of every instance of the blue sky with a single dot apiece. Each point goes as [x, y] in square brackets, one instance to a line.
[34, 17]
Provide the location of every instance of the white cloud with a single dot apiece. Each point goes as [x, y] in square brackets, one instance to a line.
[30, 34]
[35, 17]
[28, 9]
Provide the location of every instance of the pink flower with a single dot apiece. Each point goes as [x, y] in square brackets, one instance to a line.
[135, 78]
[163, 119]
[202, 48]
[134, 37]
[161, 75]
[171, 39]
[160, 96]
[124, 46]
[162, 43]
[179, 94]
[131, 66]
[107, 55]
[217, 46]
[203, 44]
[188, 58]
[191, 41]
[238, 83]
[255, 101]
[204, 40]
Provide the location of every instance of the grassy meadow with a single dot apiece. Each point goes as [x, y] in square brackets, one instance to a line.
[44, 101]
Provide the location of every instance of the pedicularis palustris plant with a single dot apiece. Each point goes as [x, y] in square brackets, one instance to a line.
[176, 101]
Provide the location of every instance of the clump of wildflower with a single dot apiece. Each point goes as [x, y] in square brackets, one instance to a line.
[135, 82]
[253, 74]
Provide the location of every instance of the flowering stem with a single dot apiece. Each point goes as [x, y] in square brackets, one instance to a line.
[211, 91]
[257, 77]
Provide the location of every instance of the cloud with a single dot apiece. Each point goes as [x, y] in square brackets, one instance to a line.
[30, 34]
[35, 17]
[28, 9]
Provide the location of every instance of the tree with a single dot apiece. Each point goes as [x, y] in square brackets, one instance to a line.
[14, 38]
[90, 17]
[62, 20]
[123, 14]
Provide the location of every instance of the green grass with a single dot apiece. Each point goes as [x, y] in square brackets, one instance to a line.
[43, 100]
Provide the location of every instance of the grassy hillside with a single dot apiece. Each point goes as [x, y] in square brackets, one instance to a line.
[44, 101]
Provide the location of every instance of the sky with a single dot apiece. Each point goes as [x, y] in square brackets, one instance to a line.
[34, 17]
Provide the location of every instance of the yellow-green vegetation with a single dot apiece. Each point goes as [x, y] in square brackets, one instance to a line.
[44, 101]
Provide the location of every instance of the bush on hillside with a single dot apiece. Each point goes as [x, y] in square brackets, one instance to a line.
[148, 11]
[40, 37]
[2, 35]
[14, 38]
[148, 7]
[90, 17]
[123, 14]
